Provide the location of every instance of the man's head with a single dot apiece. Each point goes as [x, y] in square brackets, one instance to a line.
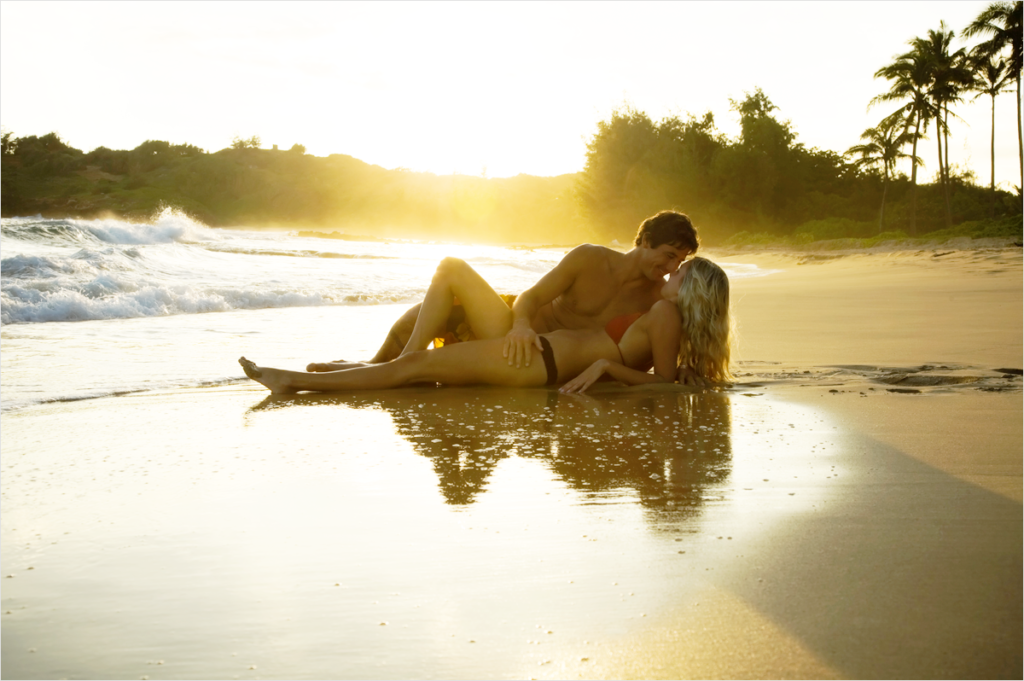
[670, 238]
[669, 227]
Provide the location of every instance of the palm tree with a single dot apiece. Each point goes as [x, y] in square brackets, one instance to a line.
[993, 78]
[910, 77]
[1001, 23]
[883, 147]
[949, 75]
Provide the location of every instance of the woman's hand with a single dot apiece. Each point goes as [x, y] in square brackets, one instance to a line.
[688, 376]
[587, 378]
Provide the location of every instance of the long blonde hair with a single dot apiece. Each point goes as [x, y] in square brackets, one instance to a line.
[703, 302]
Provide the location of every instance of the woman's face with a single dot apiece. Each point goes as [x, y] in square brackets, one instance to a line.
[671, 288]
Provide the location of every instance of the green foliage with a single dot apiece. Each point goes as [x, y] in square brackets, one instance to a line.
[826, 236]
[255, 187]
[10, 144]
[1006, 227]
[241, 143]
[767, 239]
[835, 228]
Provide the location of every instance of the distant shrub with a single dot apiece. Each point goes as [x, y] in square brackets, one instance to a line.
[1011, 226]
[768, 239]
[836, 228]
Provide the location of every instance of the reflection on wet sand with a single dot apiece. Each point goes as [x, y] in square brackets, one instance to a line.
[661, 448]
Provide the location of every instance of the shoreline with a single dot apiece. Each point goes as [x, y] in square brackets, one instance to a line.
[837, 247]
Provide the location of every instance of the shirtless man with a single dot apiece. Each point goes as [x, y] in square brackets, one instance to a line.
[590, 286]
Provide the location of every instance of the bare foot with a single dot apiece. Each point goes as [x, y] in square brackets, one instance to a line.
[272, 379]
[336, 365]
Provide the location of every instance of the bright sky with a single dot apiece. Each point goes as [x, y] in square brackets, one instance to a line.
[501, 88]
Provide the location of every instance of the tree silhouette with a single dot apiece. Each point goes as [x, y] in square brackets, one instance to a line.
[1001, 24]
[909, 74]
[949, 76]
[883, 147]
[253, 142]
[993, 78]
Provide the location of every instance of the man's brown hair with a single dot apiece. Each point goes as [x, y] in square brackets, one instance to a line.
[669, 227]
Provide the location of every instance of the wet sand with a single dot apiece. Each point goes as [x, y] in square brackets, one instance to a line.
[851, 509]
[912, 567]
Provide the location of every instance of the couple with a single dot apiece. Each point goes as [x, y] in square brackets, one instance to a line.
[597, 313]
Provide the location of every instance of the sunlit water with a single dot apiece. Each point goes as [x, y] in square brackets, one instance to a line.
[163, 518]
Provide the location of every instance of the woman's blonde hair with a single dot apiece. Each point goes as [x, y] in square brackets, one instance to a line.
[703, 302]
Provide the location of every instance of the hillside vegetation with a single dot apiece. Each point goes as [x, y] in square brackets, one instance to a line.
[255, 187]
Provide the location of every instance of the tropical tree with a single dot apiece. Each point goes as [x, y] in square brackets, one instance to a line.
[910, 76]
[10, 142]
[618, 169]
[993, 77]
[1001, 24]
[949, 75]
[242, 143]
[883, 146]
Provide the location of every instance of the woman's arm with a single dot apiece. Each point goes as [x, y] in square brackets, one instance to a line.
[616, 371]
[662, 329]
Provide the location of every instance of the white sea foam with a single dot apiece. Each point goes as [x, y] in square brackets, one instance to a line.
[106, 297]
[76, 270]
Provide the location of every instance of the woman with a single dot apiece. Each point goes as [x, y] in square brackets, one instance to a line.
[688, 331]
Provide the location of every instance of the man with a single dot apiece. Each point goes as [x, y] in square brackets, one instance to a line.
[589, 287]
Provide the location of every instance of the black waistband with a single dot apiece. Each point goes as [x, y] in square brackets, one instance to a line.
[549, 360]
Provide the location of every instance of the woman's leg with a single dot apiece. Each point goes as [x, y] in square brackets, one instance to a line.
[337, 365]
[486, 313]
[479, 362]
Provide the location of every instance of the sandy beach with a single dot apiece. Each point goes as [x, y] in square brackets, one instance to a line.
[852, 508]
[911, 570]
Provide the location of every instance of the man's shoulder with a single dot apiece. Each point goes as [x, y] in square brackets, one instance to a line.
[591, 254]
[595, 248]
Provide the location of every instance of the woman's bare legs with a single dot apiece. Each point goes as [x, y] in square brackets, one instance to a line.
[282, 381]
[479, 362]
[392, 347]
[486, 313]
[337, 365]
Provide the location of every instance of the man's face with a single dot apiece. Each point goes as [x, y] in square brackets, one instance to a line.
[663, 260]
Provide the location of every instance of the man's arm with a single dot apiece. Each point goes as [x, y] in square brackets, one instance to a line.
[520, 341]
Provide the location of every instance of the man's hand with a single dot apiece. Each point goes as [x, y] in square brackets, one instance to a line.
[687, 376]
[519, 344]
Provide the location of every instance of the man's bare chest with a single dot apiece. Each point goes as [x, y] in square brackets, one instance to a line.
[601, 298]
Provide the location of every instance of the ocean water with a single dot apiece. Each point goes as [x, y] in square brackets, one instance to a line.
[92, 308]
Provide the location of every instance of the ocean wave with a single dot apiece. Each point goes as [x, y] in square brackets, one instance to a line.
[170, 226]
[113, 297]
[239, 250]
[81, 263]
[109, 297]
